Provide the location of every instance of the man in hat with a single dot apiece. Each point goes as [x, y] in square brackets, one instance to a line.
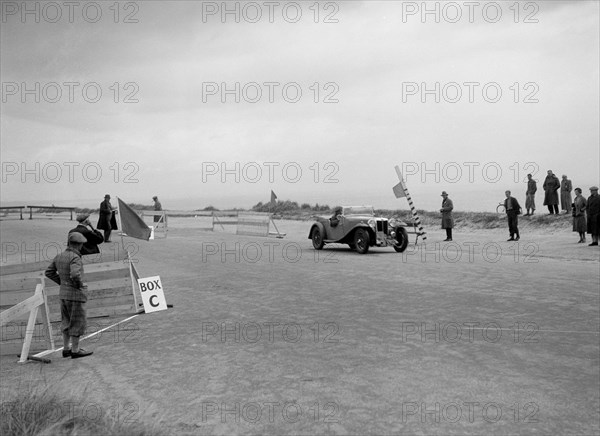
[513, 209]
[157, 206]
[93, 236]
[67, 270]
[530, 195]
[565, 194]
[551, 186]
[447, 220]
[107, 221]
[593, 215]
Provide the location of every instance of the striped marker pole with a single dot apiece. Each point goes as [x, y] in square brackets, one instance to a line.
[413, 209]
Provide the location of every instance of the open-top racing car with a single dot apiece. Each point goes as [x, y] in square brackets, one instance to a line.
[358, 227]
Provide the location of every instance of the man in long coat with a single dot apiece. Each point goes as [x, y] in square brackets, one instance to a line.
[447, 220]
[530, 194]
[565, 194]
[593, 214]
[107, 220]
[551, 186]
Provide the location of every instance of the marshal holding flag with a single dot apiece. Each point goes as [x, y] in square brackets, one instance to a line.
[131, 223]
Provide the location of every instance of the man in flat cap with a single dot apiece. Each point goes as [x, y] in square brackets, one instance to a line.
[107, 220]
[67, 270]
[447, 220]
[593, 215]
[93, 236]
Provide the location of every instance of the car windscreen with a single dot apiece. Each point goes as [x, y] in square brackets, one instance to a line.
[358, 210]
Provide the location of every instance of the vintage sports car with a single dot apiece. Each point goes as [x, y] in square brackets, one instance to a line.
[358, 227]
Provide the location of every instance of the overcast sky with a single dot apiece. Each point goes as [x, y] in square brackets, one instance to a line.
[366, 64]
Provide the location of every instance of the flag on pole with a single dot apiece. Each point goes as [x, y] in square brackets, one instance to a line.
[131, 223]
[273, 197]
[413, 209]
[399, 190]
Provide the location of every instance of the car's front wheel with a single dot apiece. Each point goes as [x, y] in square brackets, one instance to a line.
[401, 239]
[317, 239]
[361, 240]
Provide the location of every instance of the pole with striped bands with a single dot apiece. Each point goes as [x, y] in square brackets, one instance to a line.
[413, 209]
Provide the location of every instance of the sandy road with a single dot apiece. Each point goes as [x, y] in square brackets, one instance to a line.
[270, 337]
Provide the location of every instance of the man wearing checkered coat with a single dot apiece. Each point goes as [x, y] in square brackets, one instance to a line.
[67, 270]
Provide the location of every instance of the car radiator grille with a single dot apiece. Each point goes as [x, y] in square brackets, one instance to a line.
[382, 226]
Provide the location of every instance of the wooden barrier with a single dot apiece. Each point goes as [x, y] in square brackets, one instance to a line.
[70, 209]
[30, 307]
[111, 290]
[8, 208]
[160, 225]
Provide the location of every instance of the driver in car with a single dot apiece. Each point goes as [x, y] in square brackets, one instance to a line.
[334, 220]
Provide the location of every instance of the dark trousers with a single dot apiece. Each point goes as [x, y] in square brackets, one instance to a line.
[553, 208]
[449, 233]
[513, 222]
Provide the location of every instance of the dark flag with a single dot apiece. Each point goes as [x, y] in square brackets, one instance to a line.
[131, 223]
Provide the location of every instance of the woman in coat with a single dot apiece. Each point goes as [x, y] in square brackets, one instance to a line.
[579, 221]
[565, 194]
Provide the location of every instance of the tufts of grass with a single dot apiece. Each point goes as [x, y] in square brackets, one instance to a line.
[40, 412]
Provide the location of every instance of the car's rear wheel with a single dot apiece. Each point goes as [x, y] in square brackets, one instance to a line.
[361, 241]
[401, 239]
[317, 239]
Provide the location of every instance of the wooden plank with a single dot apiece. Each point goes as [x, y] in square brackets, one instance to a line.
[21, 308]
[29, 333]
[9, 284]
[24, 267]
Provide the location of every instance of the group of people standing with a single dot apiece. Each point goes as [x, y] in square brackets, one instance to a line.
[586, 213]
[551, 189]
[66, 270]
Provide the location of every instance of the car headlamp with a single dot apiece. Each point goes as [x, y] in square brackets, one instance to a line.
[372, 224]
